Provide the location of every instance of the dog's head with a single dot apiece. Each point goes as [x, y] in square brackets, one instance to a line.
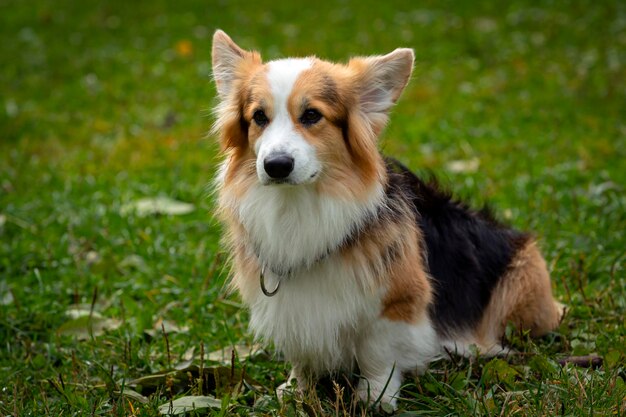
[303, 120]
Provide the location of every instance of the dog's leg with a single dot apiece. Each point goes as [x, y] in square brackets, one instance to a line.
[297, 382]
[387, 350]
[380, 384]
[523, 297]
[380, 376]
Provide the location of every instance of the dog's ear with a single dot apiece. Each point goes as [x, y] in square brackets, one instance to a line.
[377, 82]
[228, 62]
[381, 80]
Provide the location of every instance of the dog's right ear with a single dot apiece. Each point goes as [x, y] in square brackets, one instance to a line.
[228, 62]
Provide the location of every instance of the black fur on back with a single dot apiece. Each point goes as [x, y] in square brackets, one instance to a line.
[467, 251]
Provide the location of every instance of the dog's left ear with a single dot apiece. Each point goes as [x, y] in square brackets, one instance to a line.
[377, 82]
[229, 60]
[382, 79]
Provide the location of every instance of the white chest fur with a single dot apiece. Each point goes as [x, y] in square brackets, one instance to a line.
[292, 227]
[317, 316]
[320, 310]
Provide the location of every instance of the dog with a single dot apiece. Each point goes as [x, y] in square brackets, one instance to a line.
[346, 259]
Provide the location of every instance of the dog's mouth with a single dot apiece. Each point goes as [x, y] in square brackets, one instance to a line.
[289, 182]
[279, 182]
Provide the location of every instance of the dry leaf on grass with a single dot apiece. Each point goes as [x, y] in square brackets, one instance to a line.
[190, 403]
[157, 205]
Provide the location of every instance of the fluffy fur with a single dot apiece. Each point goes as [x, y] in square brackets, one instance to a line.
[373, 267]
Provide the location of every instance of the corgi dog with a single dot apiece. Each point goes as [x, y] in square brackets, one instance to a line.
[346, 259]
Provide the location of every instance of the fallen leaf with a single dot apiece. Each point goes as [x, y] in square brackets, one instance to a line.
[83, 327]
[75, 311]
[157, 205]
[243, 351]
[133, 395]
[190, 403]
[6, 296]
[460, 166]
[499, 371]
[215, 379]
[183, 365]
[188, 355]
[92, 257]
[168, 325]
[134, 262]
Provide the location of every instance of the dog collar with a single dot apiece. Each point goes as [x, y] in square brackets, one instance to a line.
[262, 282]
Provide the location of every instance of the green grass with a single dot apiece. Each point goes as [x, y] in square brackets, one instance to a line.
[103, 104]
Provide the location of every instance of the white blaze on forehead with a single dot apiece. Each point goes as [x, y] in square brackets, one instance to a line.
[282, 75]
[281, 136]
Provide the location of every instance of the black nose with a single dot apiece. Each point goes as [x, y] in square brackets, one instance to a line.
[278, 166]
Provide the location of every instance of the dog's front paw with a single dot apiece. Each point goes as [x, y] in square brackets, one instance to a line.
[293, 385]
[372, 394]
[287, 388]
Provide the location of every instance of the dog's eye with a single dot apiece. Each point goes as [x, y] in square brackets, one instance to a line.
[260, 118]
[310, 117]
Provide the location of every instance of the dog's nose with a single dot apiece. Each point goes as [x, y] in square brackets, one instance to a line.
[278, 166]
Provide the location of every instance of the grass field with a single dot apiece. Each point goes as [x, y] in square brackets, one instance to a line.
[102, 104]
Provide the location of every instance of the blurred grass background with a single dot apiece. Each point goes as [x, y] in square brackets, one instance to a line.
[519, 103]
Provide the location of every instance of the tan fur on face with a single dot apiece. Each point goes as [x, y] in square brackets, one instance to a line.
[348, 169]
[524, 297]
[230, 123]
[233, 127]
[257, 96]
[239, 133]
[346, 136]
[344, 140]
